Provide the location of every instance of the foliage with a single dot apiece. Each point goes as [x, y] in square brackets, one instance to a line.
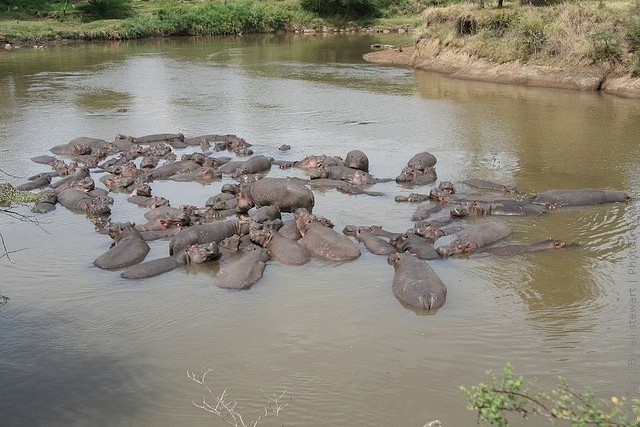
[499, 398]
[354, 9]
[106, 9]
[605, 47]
[10, 196]
[3, 299]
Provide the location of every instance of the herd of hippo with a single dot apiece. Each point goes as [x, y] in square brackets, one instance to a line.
[243, 225]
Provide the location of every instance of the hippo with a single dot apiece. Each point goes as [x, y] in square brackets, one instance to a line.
[281, 192]
[148, 202]
[356, 159]
[43, 159]
[206, 233]
[425, 210]
[504, 207]
[547, 244]
[290, 230]
[413, 198]
[579, 197]
[170, 169]
[489, 185]
[265, 213]
[204, 174]
[417, 176]
[78, 175]
[176, 140]
[193, 254]
[422, 161]
[245, 272]
[373, 243]
[416, 245]
[324, 242]
[78, 146]
[280, 248]
[254, 165]
[46, 203]
[470, 239]
[128, 248]
[79, 200]
[415, 284]
[39, 181]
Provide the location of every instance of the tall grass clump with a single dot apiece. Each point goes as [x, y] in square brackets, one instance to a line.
[106, 9]
[215, 18]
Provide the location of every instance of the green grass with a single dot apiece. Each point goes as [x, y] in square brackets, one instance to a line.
[50, 21]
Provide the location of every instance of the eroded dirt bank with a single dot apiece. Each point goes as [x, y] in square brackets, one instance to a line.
[428, 55]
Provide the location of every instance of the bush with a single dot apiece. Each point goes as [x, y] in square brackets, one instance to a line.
[532, 36]
[633, 36]
[605, 47]
[354, 9]
[107, 9]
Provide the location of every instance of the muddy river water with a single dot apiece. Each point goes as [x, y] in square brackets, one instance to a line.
[81, 346]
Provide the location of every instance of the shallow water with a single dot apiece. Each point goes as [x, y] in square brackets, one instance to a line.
[81, 346]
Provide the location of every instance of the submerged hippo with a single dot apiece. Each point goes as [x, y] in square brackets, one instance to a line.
[282, 249]
[206, 233]
[470, 239]
[283, 193]
[128, 248]
[489, 185]
[373, 243]
[579, 197]
[544, 245]
[415, 284]
[245, 272]
[356, 159]
[194, 254]
[324, 242]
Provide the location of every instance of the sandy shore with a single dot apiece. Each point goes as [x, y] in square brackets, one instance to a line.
[429, 56]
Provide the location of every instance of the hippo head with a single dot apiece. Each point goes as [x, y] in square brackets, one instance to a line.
[508, 189]
[49, 197]
[129, 170]
[318, 172]
[86, 184]
[459, 212]
[208, 173]
[198, 254]
[96, 207]
[158, 201]
[454, 249]
[438, 195]
[245, 202]
[446, 187]
[142, 190]
[304, 221]
[80, 149]
[395, 258]
[360, 177]
[261, 237]
[243, 225]
[230, 188]
[310, 162]
[428, 231]
[350, 230]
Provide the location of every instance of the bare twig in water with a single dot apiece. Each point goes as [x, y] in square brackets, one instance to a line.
[228, 410]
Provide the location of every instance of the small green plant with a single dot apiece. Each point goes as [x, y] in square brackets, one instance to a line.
[499, 22]
[499, 398]
[3, 299]
[632, 36]
[605, 47]
[532, 37]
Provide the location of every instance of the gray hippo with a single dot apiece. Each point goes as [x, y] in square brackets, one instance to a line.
[415, 284]
[38, 181]
[422, 161]
[579, 197]
[416, 176]
[489, 185]
[254, 165]
[282, 249]
[206, 233]
[416, 245]
[79, 200]
[46, 203]
[245, 272]
[373, 243]
[128, 248]
[194, 254]
[470, 239]
[324, 242]
[284, 193]
[356, 159]
[548, 244]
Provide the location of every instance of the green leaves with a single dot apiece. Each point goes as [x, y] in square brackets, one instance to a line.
[494, 401]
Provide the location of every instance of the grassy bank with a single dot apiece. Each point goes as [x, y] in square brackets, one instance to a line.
[26, 24]
[601, 34]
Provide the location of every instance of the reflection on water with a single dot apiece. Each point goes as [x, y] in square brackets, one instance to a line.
[332, 334]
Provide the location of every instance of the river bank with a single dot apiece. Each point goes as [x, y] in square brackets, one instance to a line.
[428, 56]
[578, 46]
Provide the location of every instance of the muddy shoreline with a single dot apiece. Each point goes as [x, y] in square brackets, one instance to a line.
[428, 55]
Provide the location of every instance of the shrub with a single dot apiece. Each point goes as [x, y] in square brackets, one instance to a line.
[531, 38]
[107, 9]
[633, 36]
[605, 47]
[499, 22]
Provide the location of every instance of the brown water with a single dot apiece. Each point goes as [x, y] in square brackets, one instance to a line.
[81, 346]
